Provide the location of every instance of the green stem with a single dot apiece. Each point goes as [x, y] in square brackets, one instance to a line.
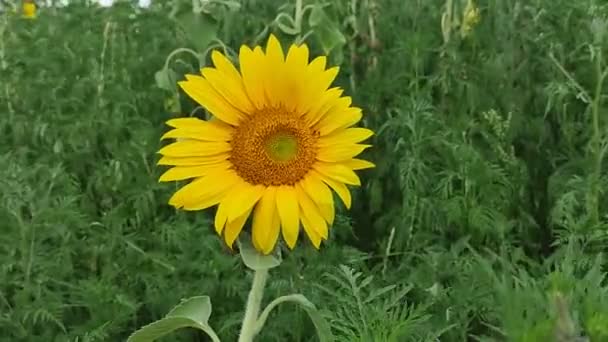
[180, 50]
[213, 336]
[252, 310]
[296, 298]
[173, 54]
[596, 141]
[298, 18]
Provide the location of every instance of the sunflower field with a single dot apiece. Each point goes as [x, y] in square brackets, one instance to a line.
[421, 171]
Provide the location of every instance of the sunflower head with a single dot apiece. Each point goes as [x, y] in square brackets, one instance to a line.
[29, 9]
[279, 141]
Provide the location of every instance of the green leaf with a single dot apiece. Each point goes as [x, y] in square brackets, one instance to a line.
[190, 313]
[336, 57]
[253, 259]
[316, 15]
[327, 31]
[597, 327]
[197, 308]
[322, 326]
[165, 79]
[329, 37]
[200, 28]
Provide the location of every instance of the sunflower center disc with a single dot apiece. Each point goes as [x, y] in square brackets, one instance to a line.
[282, 147]
[273, 147]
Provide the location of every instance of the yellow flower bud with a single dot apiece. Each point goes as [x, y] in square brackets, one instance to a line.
[29, 10]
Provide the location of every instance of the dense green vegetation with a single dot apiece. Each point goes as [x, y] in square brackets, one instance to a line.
[486, 218]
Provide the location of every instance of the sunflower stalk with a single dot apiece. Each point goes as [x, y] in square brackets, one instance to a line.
[250, 327]
[254, 321]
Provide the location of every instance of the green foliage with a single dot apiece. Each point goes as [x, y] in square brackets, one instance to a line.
[364, 312]
[484, 220]
[193, 313]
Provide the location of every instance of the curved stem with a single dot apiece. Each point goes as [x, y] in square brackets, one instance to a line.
[252, 310]
[179, 50]
[296, 298]
[213, 336]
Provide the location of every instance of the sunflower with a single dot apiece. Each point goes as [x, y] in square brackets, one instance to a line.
[279, 139]
[29, 9]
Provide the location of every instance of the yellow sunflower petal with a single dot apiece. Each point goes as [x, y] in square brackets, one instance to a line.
[274, 51]
[186, 172]
[338, 172]
[225, 66]
[276, 79]
[256, 245]
[194, 148]
[322, 78]
[320, 194]
[335, 120]
[345, 137]
[317, 81]
[234, 228]
[230, 88]
[266, 225]
[221, 216]
[313, 236]
[225, 209]
[203, 203]
[295, 67]
[359, 164]
[204, 192]
[199, 89]
[325, 78]
[252, 64]
[338, 187]
[243, 198]
[288, 208]
[297, 56]
[208, 134]
[340, 153]
[317, 64]
[311, 213]
[191, 161]
[200, 130]
[187, 122]
[331, 104]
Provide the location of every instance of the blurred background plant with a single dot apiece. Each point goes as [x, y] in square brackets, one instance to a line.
[485, 219]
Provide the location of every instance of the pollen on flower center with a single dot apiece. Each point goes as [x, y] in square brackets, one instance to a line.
[273, 147]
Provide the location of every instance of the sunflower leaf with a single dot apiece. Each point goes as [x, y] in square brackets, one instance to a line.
[253, 259]
[328, 33]
[165, 79]
[321, 325]
[190, 313]
[316, 15]
[200, 29]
